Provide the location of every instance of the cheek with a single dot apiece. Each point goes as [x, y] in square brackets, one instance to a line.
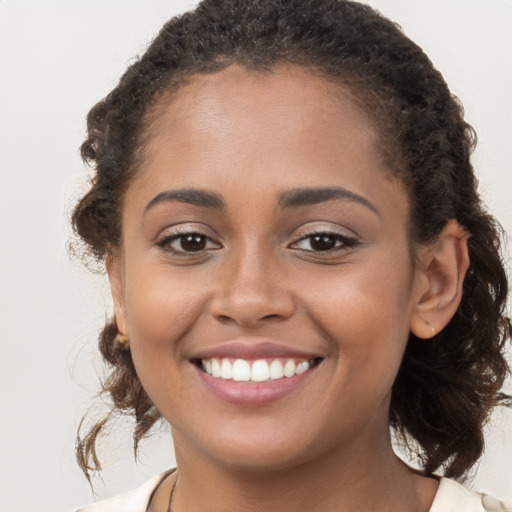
[364, 310]
[162, 306]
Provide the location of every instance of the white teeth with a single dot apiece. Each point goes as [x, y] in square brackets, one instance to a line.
[260, 371]
[241, 370]
[289, 368]
[226, 369]
[256, 371]
[276, 369]
[301, 367]
[215, 368]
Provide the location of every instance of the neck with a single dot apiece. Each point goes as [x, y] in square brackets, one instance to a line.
[361, 477]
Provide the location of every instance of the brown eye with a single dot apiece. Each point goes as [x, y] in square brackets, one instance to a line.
[325, 242]
[322, 242]
[193, 242]
[187, 243]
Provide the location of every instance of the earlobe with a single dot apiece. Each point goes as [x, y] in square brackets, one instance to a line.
[442, 270]
[115, 273]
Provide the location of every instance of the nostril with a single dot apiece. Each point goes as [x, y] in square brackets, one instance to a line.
[270, 317]
[250, 302]
[248, 319]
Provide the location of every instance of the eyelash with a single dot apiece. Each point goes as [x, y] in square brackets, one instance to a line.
[179, 235]
[342, 242]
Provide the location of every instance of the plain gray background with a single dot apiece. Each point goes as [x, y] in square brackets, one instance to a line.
[57, 58]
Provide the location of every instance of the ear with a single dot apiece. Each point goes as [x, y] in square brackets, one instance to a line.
[439, 279]
[115, 271]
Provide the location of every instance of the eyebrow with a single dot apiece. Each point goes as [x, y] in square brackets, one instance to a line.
[290, 199]
[194, 196]
[311, 196]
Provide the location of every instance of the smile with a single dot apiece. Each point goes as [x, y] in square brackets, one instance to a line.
[260, 370]
[251, 372]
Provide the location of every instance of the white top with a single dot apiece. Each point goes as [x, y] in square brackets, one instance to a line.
[450, 497]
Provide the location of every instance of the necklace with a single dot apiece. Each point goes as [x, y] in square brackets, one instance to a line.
[171, 497]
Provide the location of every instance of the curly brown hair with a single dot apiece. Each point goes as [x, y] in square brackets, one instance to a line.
[447, 386]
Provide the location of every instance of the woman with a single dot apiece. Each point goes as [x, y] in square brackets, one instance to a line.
[299, 260]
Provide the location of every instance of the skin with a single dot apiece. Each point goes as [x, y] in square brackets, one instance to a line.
[249, 137]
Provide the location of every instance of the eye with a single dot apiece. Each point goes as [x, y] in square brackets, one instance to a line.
[187, 242]
[324, 242]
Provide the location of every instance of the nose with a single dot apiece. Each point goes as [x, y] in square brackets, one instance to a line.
[251, 290]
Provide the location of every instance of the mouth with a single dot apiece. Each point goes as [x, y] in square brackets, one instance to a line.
[259, 370]
[252, 374]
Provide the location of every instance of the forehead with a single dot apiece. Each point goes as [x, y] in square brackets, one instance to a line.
[286, 99]
[288, 127]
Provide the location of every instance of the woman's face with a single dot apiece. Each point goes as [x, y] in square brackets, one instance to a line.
[264, 237]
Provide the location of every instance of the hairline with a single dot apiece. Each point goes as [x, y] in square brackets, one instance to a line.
[163, 98]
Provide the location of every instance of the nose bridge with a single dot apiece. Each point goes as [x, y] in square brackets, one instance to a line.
[251, 269]
[251, 287]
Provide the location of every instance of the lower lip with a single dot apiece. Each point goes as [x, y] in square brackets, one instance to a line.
[253, 393]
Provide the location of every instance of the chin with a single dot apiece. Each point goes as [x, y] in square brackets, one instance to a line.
[260, 459]
[265, 447]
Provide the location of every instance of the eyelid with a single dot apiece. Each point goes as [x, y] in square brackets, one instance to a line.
[174, 233]
[187, 228]
[310, 229]
[348, 240]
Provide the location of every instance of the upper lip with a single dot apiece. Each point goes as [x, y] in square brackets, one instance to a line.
[247, 349]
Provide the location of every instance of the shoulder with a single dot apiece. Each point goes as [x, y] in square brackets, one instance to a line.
[133, 501]
[453, 497]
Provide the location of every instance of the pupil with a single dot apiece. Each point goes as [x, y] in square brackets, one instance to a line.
[193, 243]
[323, 242]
